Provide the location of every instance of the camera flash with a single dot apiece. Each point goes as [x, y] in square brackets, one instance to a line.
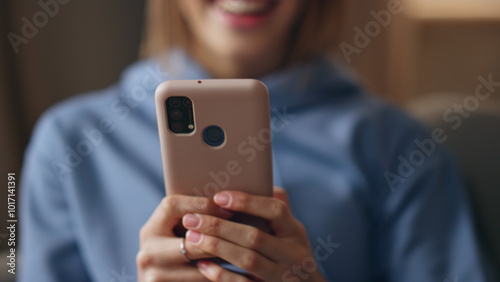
[190, 126]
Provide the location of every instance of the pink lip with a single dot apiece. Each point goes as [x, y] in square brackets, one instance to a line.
[245, 21]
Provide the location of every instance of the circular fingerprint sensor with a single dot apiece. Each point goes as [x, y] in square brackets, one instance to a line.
[213, 136]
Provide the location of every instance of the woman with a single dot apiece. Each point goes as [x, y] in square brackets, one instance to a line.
[369, 195]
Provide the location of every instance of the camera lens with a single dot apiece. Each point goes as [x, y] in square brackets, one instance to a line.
[174, 102]
[176, 114]
[187, 102]
[177, 127]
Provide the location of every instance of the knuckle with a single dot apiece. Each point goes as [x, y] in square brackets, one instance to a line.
[144, 259]
[255, 238]
[279, 209]
[213, 226]
[211, 244]
[200, 204]
[250, 261]
[242, 201]
[168, 203]
[302, 228]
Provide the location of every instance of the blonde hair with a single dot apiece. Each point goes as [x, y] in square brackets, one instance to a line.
[315, 33]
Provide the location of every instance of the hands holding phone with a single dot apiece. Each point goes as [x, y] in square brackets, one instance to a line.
[187, 111]
[210, 234]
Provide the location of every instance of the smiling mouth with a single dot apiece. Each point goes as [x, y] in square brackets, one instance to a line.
[246, 7]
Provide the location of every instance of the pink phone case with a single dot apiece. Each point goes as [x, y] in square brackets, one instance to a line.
[242, 162]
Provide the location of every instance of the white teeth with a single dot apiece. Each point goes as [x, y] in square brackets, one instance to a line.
[243, 6]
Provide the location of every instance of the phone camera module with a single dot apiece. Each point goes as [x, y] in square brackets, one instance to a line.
[180, 115]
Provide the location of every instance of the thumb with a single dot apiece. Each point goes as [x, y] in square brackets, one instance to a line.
[280, 194]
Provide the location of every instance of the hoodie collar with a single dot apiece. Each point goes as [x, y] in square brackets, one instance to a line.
[297, 87]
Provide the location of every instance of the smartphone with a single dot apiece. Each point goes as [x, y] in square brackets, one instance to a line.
[215, 135]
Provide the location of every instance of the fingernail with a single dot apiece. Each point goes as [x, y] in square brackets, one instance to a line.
[193, 236]
[222, 199]
[191, 221]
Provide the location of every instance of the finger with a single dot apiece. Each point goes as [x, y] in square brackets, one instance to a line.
[215, 272]
[165, 251]
[241, 234]
[280, 194]
[172, 208]
[180, 273]
[276, 211]
[241, 257]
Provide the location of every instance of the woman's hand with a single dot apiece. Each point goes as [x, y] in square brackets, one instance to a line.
[268, 257]
[158, 258]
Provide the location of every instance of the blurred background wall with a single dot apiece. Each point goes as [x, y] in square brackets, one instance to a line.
[83, 46]
[412, 54]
